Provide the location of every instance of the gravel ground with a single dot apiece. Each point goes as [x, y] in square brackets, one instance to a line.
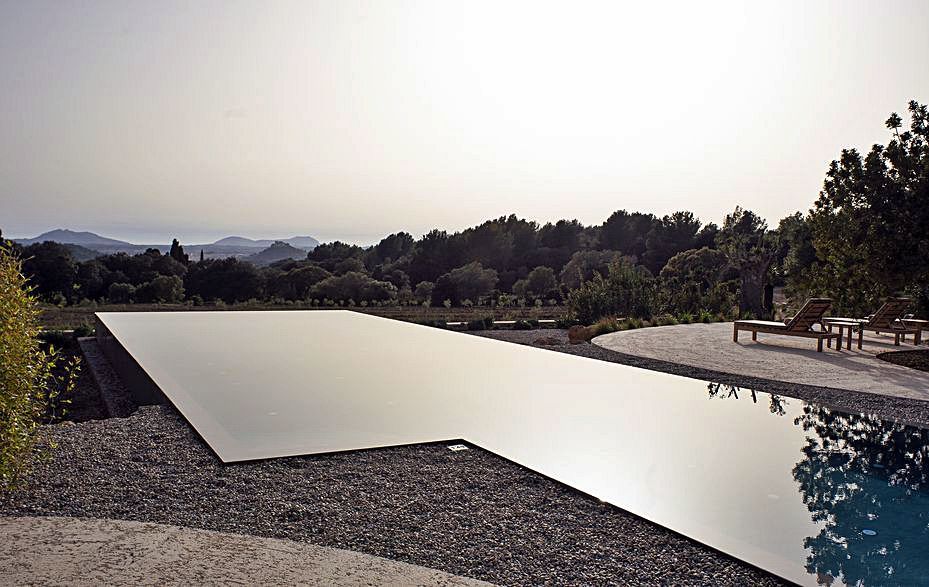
[909, 411]
[469, 513]
[912, 359]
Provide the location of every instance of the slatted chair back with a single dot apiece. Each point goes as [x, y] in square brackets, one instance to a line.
[889, 314]
[811, 313]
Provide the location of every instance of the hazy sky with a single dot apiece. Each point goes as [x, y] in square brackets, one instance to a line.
[146, 120]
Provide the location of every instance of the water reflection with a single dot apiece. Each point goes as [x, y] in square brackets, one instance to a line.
[866, 482]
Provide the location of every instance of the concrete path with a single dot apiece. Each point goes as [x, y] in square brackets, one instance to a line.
[781, 358]
[75, 551]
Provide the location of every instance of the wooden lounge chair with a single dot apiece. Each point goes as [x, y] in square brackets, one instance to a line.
[800, 325]
[888, 318]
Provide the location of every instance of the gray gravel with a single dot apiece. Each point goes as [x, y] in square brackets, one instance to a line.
[899, 409]
[469, 513]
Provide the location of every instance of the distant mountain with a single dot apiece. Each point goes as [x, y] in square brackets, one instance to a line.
[231, 246]
[301, 242]
[71, 237]
[278, 251]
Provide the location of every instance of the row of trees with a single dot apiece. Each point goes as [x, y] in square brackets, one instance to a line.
[864, 239]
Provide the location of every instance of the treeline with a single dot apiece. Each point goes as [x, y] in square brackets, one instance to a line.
[866, 237]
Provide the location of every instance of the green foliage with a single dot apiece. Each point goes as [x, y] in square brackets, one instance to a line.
[751, 249]
[666, 320]
[51, 270]
[296, 282]
[177, 253]
[605, 326]
[120, 293]
[354, 286]
[471, 281]
[539, 283]
[691, 282]
[626, 291]
[168, 289]
[584, 265]
[869, 223]
[522, 325]
[229, 280]
[28, 386]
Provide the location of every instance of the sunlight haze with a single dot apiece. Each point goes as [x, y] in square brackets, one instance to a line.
[353, 120]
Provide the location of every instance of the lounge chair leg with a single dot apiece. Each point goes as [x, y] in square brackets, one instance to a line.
[860, 337]
[896, 340]
[848, 345]
[735, 333]
[819, 345]
[754, 335]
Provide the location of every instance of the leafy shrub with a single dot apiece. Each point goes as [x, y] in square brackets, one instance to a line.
[522, 325]
[706, 316]
[626, 291]
[28, 385]
[685, 318]
[56, 338]
[665, 320]
[578, 334]
[566, 322]
[120, 293]
[434, 323]
[605, 326]
[354, 286]
[83, 330]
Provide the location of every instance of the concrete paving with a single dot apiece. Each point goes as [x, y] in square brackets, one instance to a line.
[77, 551]
[781, 358]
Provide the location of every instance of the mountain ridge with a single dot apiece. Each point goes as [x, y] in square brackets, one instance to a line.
[91, 240]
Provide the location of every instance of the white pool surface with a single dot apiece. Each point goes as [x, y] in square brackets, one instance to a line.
[259, 385]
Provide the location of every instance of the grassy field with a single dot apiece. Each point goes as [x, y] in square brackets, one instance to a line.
[70, 317]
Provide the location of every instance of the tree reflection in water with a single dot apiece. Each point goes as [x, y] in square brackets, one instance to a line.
[866, 481]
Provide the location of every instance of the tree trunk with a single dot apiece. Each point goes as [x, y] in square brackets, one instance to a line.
[751, 294]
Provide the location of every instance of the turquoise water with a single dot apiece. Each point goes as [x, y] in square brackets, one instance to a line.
[865, 481]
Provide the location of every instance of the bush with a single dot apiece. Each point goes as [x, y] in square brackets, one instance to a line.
[56, 338]
[685, 318]
[434, 323]
[626, 291]
[120, 293]
[522, 325]
[706, 316]
[566, 322]
[605, 326]
[28, 386]
[83, 330]
[354, 286]
[666, 320]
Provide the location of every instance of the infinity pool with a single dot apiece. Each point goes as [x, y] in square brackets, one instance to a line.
[807, 493]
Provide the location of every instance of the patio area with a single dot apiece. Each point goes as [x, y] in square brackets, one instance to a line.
[780, 358]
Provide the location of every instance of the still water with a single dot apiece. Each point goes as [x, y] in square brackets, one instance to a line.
[813, 495]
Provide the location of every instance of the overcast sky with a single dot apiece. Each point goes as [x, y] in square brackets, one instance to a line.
[351, 120]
